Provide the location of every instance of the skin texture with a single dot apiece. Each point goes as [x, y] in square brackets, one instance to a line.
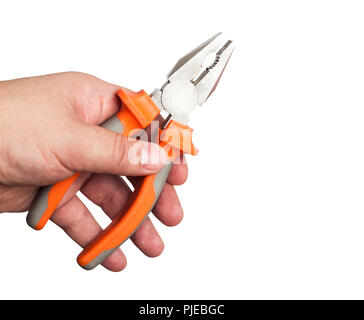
[49, 131]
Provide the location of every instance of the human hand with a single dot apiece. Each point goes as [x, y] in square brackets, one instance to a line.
[49, 131]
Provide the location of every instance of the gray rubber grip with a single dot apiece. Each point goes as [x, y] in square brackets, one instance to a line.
[113, 124]
[159, 183]
[38, 207]
[40, 202]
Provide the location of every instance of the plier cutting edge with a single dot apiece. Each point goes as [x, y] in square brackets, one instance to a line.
[189, 84]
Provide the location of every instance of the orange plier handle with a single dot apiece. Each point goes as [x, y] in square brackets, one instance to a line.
[175, 139]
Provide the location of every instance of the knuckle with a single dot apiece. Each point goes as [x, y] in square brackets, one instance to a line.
[76, 75]
[120, 152]
[78, 81]
[69, 220]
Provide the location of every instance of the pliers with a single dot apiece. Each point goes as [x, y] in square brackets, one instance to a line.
[190, 83]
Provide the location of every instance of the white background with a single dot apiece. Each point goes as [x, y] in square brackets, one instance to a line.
[274, 203]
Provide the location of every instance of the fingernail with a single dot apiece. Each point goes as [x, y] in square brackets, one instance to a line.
[152, 156]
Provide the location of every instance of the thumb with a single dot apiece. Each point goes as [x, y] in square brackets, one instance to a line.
[95, 149]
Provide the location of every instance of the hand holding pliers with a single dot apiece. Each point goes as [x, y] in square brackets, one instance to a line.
[189, 84]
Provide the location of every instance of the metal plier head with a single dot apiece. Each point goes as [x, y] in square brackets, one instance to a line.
[194, 77]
